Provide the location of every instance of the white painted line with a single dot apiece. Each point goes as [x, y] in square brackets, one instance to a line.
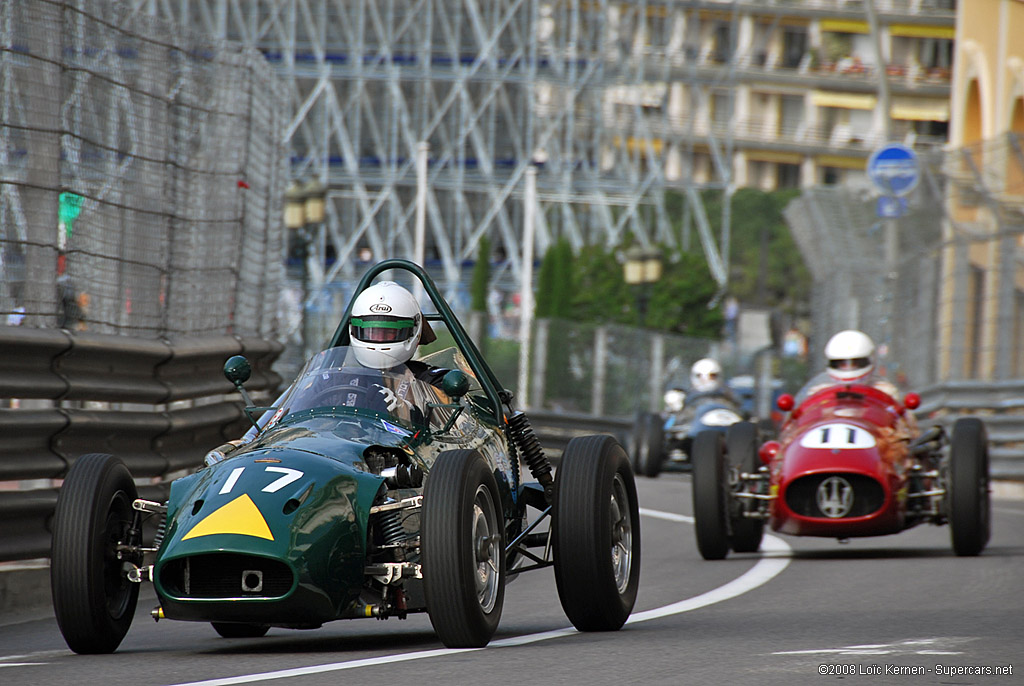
[908, 647]
[22, 664]
[765, 569]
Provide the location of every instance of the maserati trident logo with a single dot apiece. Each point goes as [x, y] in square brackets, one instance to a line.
[380, 308]
[835, 497]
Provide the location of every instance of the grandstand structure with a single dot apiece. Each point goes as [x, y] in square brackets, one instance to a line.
[579, 90]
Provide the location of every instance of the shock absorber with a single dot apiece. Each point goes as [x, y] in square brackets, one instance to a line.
[391, 527]
[526, 442]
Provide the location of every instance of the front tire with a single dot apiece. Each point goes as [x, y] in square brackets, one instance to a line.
[92, 598]
[463, 549]
[596, 534]
[969, 504]
[710, 493]
[741, 448]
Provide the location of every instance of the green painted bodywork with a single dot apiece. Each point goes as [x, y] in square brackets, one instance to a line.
[323, 540]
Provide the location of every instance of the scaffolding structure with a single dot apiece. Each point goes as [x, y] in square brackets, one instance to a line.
[578, 89]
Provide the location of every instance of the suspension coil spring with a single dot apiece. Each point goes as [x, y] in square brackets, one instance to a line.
[391, 527]
[161, 529]
[532, 454]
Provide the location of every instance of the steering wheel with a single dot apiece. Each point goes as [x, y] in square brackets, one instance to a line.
[332, 395]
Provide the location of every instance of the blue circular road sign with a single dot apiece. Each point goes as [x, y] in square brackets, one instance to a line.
[893, 168]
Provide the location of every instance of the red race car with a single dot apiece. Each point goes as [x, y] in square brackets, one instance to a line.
[849, 461]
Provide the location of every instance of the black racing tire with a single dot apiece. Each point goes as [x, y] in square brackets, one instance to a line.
[237, 630]
[634, 440]
[596, 534]
[710, 495]
[463, 549]
[741, 445]
[969, 502]
[650, 445]
[92, 598]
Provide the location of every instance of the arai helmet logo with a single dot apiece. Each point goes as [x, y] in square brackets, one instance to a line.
[835, 497]
[380, 308]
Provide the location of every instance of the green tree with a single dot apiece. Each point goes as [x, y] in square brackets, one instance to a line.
[555, 282]
[765, 265]
[481, 279]
[680, 300]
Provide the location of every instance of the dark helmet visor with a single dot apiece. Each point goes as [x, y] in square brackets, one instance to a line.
[382, 329]
[850, 364]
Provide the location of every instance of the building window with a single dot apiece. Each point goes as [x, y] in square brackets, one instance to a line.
[721, 108]
[831, 176]
[794, 47]
[792, 111]
[722, 43]
[788, 176]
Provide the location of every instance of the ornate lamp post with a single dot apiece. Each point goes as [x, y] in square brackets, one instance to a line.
[642, 269]
[303, 217]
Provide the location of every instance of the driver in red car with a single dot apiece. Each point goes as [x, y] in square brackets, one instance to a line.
[850, 357]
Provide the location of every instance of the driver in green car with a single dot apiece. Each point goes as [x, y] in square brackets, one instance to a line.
[386, 328]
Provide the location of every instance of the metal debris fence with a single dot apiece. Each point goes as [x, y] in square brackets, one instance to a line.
[947, 305]
[142, 172]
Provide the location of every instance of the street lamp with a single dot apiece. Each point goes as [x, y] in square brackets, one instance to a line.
[303, 215]
[641, 269]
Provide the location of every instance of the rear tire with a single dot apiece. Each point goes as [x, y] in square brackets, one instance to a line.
[969, 504]
[92, 598]
[741, 448]
[463, 549]
[596, 534]
[650, 445]
[710, 493]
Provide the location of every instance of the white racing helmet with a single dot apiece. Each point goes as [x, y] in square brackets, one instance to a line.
[386, 326]
[675, 399]
[850, 355]
[705, 375]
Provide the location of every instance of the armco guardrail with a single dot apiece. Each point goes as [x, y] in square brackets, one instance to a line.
[555, 429]
[999, 404]
[85, 375]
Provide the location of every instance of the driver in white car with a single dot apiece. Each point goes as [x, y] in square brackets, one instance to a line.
[706, 380]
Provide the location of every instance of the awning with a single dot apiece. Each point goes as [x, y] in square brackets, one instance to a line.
[919, 31]
[774, 156]
[844, 26]
[841, 162]
[849, 101]
[919, 109]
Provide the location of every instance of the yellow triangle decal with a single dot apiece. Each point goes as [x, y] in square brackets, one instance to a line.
[240, 516]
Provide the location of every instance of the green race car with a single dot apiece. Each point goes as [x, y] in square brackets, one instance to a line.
[349, 504]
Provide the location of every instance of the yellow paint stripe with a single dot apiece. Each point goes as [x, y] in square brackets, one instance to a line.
[240, 516]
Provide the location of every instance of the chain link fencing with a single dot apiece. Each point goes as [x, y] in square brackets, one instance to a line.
[946, 300]
[141, 175]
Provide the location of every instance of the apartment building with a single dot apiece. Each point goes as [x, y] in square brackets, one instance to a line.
[796, 93]
[981, 314]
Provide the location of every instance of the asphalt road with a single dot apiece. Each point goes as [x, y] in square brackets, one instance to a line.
[803, 611]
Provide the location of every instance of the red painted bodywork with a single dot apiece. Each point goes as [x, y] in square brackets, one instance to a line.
[887, 462]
